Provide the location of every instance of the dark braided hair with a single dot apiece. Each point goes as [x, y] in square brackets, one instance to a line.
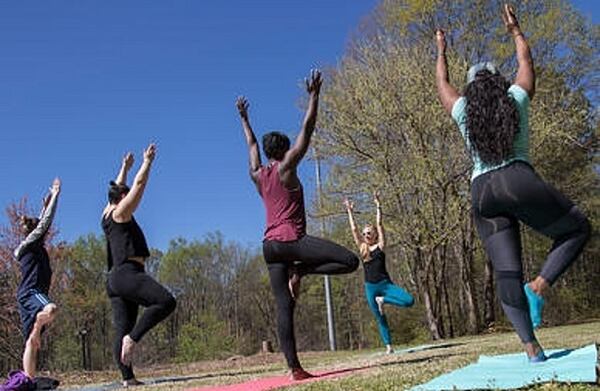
[492, 117]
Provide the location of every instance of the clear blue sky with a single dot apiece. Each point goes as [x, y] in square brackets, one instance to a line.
[82, 82]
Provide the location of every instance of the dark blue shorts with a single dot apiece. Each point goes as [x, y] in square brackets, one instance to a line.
[32, 302]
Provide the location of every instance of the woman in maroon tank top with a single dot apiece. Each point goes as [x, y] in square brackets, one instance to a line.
[289, 252]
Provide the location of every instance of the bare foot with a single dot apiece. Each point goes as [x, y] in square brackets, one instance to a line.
[127, 349]
[300, 374]
[294, 285]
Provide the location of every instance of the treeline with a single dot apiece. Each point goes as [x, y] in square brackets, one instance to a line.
[224, 307]
[381, 127]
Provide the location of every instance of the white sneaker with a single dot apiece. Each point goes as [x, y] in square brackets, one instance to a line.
[389, 349]
[132, 382]
[379, 300]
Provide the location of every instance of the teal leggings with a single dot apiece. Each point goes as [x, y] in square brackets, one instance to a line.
[392, 294]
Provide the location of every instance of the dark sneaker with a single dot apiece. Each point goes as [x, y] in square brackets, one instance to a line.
[300, 374]
[538, 358]
[132, 382]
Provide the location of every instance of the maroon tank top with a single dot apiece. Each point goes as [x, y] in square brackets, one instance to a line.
[286, 218]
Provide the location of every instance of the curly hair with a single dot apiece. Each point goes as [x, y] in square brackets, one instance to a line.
[275, 145]
[492, 117]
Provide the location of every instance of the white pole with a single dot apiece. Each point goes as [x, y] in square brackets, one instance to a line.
[327, 282]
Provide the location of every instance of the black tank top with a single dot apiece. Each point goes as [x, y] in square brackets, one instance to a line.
[123, 241]
[375, 270]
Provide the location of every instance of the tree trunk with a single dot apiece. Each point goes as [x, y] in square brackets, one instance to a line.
[489, 315]
[432, 320]
[466, 272]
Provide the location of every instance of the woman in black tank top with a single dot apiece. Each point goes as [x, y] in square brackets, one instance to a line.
[128, 285]
[379, 288]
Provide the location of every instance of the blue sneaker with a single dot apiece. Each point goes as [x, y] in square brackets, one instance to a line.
[538, 358]
[536, 305]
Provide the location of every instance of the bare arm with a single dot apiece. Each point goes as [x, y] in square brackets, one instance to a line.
[125, 167]
[525, 73]
[255, 163]
[357, 238]
[296, 153]
[379, 223]
[46, 219]
[130, 202]
[446, 92]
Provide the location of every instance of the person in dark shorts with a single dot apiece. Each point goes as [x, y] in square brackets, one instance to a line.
[35, 307]
[289, 252]
[492, 117]
[128, 285]
[379, 287]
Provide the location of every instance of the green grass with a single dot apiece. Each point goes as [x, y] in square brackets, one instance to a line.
[393, 372]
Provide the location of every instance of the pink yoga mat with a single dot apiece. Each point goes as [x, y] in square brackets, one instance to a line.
[274, 382]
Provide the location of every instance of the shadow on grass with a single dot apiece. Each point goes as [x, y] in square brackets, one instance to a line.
[166, 379]
[178, 379]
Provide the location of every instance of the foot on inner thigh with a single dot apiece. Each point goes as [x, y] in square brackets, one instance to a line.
[294, 284]
[127, 349]
[379, 300]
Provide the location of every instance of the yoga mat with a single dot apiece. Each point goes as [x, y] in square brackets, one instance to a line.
[510, 371]
[418, 348]
[274, 382]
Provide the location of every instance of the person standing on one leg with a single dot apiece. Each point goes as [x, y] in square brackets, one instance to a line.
[289, 252]
[36, 309]
[128, 285]
[493, 119]
[379, 287]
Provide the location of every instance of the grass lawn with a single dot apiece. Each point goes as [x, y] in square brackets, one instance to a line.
[385, 372]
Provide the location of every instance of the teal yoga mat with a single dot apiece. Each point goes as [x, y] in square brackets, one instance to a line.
[512, 371]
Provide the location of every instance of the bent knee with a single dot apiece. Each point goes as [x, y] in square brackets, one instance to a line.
[51, 309]
[352, 261]
[170, 304]
[586, 228]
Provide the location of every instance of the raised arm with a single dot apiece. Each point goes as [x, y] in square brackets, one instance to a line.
[125, 167]
[130, 202]
[255, 164]
[379, 222]
[46, 218]
[357, 238]
[525, 73]
[446, 92]
[296, 153]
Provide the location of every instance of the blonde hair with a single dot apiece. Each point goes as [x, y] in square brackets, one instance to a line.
[364, 247]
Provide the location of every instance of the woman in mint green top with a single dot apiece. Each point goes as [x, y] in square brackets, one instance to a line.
[493, 118]
[520, 145]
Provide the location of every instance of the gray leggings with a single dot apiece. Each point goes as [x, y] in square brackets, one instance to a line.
[500, 200]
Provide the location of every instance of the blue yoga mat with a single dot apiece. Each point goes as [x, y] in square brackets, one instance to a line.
[511, 371]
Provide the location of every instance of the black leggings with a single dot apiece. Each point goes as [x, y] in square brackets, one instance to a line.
[308, 255]
[501, 199]
[129, 287]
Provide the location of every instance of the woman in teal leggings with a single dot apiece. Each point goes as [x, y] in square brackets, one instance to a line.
[378, 285]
